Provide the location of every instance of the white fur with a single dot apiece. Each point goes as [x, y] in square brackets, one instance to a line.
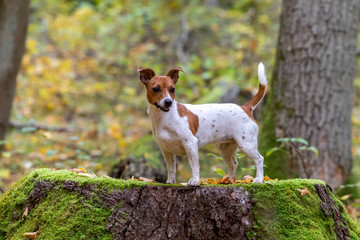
[261, 74]
[225, 124]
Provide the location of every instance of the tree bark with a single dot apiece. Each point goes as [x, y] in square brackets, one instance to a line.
[62, 204]
[13, 27]
[312, 86]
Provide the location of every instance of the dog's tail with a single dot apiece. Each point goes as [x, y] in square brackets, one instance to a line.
[251, 105]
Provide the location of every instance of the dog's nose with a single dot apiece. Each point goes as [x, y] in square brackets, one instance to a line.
[168, 102]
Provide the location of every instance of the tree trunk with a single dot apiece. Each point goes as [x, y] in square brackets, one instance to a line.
[13, 27]
[59, 204]
[312, 87]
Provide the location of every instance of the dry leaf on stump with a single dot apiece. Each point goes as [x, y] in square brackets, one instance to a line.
[304, 191]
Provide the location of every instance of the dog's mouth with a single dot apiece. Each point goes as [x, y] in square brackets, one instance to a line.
[161, 108]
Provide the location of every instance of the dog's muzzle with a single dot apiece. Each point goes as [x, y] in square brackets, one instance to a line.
[161, 108]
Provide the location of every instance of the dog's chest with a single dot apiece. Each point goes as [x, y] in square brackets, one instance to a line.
[169, 133]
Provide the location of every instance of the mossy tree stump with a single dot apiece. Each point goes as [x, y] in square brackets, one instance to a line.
[60, 204]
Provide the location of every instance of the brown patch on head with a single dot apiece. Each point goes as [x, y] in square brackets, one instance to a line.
[159, 87]
[192, 118]
[243, 137]
[213, 125]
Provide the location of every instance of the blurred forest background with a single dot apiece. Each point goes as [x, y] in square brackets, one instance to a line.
[79, 101]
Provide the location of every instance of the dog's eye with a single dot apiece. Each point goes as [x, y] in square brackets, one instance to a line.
[172, 89]
[156, 89]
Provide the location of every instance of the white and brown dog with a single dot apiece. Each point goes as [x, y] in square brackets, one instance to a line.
[181, 129]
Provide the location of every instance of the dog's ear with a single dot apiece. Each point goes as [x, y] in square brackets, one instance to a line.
[146, 74]
[174, 74]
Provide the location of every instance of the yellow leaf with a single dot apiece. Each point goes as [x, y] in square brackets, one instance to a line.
[210, 181]
[31, 46]
[345, 197]
[122, 143]
[78, 170]
[266, 179]
[32, 235]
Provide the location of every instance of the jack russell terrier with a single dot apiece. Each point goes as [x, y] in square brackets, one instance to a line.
[182, 129]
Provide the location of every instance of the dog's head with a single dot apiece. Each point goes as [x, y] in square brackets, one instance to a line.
[160, 89]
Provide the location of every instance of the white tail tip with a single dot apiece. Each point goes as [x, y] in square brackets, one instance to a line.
[261, 74]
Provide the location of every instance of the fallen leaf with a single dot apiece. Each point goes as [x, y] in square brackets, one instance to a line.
[244, 181]
[224, 180]
[146, 180]
[25, 213]
[210, 181]
[304, 191]
[32, 235]
[78, 170]
[248, 177]
[90, 175]
[266, 179]
[345, 197]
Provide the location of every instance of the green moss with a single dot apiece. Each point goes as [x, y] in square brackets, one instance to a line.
[101, 182]
[62, 214]
[280, 211]
[65, 215]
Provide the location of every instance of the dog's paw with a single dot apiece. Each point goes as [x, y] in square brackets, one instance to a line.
[170, 181]
[193, 182]
[258, 180]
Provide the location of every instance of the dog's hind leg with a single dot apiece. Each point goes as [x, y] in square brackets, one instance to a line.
[227, 152]
[249, 147]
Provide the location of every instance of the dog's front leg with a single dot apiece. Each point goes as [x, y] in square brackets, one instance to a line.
[170, 165]
[193, 158]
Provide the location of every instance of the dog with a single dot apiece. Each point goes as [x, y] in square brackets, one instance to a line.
[182, 129]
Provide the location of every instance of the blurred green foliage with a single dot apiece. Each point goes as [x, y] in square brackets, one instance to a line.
[79, 71]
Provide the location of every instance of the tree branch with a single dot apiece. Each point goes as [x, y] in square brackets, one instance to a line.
[42, 127]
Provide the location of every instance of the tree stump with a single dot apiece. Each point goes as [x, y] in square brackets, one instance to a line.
[59, 204]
